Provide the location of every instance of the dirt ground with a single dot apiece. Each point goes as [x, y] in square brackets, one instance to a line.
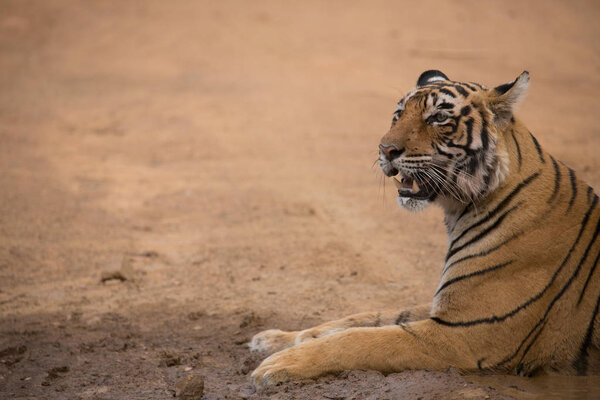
[213, 163]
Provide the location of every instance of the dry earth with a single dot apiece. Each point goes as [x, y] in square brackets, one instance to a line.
[216, 157]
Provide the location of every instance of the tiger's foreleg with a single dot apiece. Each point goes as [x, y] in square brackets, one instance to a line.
[413, 314]
[417, 345]
[273, 340]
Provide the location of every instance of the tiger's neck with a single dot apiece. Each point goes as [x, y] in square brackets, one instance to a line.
[518, 156]
[539, 198]
[538, 228]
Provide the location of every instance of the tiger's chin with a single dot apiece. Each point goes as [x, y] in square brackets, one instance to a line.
[413, 194]
[412, 204]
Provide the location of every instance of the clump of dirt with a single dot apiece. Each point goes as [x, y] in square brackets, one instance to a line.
[55, 373]
[169, 359]
[190, 388]
[12, 355]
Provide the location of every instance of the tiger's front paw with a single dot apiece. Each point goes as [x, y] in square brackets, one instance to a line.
[272, 341]
[297, 362]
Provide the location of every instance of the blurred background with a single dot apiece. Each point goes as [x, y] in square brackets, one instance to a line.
[177, 176]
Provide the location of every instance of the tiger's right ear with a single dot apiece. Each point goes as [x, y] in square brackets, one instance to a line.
[503, 99]
[431, 75]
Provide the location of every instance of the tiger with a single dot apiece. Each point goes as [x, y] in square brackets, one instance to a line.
[519, 291]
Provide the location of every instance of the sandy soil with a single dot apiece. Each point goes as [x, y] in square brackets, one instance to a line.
[216, 157]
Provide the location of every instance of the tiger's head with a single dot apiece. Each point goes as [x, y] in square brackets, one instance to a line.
[444, 140]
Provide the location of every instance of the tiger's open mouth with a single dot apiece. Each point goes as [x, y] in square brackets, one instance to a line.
[414, 187]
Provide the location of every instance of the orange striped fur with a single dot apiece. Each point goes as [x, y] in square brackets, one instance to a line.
[520, 288]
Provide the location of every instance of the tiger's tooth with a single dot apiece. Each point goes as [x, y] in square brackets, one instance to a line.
[397, 183]
[415, 186]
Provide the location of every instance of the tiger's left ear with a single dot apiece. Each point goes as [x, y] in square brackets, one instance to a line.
[503, 99]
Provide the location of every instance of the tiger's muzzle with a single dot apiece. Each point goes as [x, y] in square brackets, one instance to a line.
[416, 180]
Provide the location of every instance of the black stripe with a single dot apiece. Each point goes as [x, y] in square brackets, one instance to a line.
[587, 281]
[448, 92]
[469, 124]
[538, 148]
[543, 321]
[454, 125]
[498, 208]
[403, 317]
[556, 179]
[494, 318]
[590, 191]
[408, 330]
[514, 354]
[443, 153]
[463, 213]
[484, 133]
[465, 111]
[417, 155]
[479, 367]
[472, 164]
[461, 90]
[580, 363]
[519, 157]
[434, 98]
[483, 253]
[564, 288]
[472, 274]
[483, 233]
[472, 88]
[519, 368]
[573, 188]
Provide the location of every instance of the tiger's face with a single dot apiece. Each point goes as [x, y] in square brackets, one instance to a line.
[443, 142]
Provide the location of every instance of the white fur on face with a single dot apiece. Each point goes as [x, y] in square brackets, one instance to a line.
[413, 204]
[435, 78]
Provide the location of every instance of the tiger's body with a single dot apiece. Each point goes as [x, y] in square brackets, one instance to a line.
[520, 289]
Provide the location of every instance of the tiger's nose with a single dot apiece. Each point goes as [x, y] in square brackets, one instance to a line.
[390, 151]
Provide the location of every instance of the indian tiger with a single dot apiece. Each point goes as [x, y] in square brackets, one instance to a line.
[520, 287]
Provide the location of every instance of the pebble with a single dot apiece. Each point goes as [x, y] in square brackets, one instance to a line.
[190, 388]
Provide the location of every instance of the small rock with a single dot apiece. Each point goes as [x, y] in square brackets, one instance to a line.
[247, 392]
[247, 365]
[196, 315]
[12, 355]
[112, 275]
[57, 372]
[126, 270]
[169, 359]
[251, 320]
[243, 340]
[125, 273]
[10, 351]
[190, 388]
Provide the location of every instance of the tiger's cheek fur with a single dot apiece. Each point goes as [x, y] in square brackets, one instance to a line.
[466, 159]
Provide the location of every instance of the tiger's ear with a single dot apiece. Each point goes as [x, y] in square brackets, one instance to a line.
[503, 99]
[431, 75]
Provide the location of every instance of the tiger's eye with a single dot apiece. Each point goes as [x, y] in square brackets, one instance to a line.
[440, 117]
